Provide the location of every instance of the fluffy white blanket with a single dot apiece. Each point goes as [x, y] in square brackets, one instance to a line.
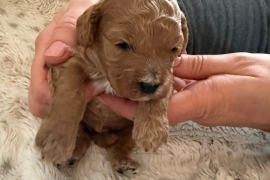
[192, 153]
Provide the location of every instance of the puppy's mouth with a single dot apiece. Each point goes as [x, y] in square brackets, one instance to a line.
[144, 98]
[133, 99]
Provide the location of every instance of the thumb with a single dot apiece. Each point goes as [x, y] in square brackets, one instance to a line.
[63, 37]
[64, 31]
[191, 103]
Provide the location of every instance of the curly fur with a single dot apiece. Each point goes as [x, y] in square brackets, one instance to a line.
[156, 33]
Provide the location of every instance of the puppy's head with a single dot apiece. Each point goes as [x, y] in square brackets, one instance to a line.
[136, 42]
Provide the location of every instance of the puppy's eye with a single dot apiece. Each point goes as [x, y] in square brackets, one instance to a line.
[123, 45]
[174, 49]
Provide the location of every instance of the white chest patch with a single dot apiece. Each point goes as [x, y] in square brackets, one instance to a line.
[103, 85]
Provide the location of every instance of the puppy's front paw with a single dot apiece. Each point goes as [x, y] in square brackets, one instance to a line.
[56, 146]
[151, 134]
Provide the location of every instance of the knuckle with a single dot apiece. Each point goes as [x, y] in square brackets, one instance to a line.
[198, 63]
[242, 58]
[38, 106]
[216, 104]
[205, 109]
[243, 55]
[68, 22]
[34, 110]
[39, 37]
[38, 110]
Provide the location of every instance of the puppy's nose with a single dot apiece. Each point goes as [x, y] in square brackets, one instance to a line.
[148, 88]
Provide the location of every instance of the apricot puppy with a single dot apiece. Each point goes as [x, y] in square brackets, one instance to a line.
[125, 47]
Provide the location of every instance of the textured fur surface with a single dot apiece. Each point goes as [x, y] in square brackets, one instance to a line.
[192, 152]
[142, 69]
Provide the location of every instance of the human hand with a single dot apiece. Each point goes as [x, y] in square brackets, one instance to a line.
[231, 90]
[52, 46]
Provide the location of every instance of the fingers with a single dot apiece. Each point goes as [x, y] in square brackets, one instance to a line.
[202, 66]
[182, 106]
[39, 95]
[38, 105]
[121, 106]
[220, 77]
[198, 101]
[217, 101]
[179, 84]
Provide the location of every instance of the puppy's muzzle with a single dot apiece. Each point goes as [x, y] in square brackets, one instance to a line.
[148, 88]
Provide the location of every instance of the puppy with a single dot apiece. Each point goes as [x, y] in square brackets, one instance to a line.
[127, 48]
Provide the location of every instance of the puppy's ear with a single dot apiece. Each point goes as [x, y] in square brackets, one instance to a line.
[87, 25]
[184, 30]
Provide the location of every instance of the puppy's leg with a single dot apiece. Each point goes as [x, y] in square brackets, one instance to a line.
[119, 146]
[82, 144]
[151, 127]
[105, 139]
[119, 152]
[56, 137]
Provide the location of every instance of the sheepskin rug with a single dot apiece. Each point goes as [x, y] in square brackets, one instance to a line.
[192, 153]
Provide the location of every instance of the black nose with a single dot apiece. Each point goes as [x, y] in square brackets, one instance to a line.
[148, 88]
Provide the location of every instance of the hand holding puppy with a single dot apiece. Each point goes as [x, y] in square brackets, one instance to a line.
[52, 46]
[232, 90]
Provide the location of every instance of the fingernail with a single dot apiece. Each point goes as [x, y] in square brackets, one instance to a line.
[102, 100]
[56, 49]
